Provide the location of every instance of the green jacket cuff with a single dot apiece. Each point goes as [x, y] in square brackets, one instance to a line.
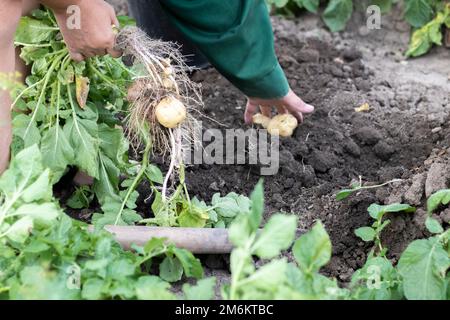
[273, 85]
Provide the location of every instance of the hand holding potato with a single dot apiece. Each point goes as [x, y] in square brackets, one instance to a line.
[291, 104]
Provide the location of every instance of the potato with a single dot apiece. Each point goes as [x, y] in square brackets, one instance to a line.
[170, 112]
[168, 84]
[135, 90]
[262, 120]
[282, 125]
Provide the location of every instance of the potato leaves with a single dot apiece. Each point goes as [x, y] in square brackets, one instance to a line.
[26, 197]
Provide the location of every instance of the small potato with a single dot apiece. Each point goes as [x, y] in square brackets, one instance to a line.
[168, 71]
[135, 90]
[170, 112]
[282, 125]
[168, 83]
[261, 119]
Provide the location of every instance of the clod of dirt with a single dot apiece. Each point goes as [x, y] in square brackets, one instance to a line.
[415, 192]
[419, 217]
[322, 161]
[351, 54]
[437, 178]
[309, 55]
[368, 135]
[445, 216]
[383, 150]
[352, 148]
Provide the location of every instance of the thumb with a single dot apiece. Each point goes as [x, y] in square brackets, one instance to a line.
[76, 56]
[250, 110]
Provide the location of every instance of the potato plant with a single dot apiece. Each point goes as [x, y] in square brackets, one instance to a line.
[74, 111]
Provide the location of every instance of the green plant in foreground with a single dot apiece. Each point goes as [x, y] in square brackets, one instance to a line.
[44, 254]
[377, 212]
[277, 279]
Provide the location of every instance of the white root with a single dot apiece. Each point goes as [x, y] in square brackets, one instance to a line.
[173, 157]
[165, 74]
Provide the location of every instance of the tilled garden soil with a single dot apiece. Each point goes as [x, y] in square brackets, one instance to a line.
[405, 135]
[397, 138]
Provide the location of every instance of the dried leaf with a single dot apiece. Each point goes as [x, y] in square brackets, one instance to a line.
[363, 108]
[82, 86]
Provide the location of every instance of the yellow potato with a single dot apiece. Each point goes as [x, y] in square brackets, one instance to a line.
[282, 125]
[170, 112]
[261, 119]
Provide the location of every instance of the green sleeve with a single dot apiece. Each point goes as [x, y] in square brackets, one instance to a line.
[237, 38]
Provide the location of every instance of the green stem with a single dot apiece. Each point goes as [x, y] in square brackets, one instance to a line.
[45, 45]
[106, 79]
[136, 181]
[236, 274]
[42, 94]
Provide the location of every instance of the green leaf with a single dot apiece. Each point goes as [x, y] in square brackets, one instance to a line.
[24, 170]
[385, 5]
[268, 278]
[366, 233]
[83, 137]
[170, 269]
[81, 198]
[377, 211]
[313, 249]
[153, 288]
[154, 174]
[21, 123]
[40, 189]
[343, 194]
[376, 280]
[20, 230]
[418, 12]
[310, 5]
[107, 186]
[37, 283]
[423, 266]
[126, 21]
[191, 265]
[438, 198]
[43, 214]
[203, 290]
[433, 225]
[423, 38]
[276, 236]
[278, 3]
[337, 14]
[33, 31]
[257, 209]
[92, 289]
[57, 153]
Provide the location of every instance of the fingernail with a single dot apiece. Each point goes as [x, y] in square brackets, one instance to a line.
[309, 108]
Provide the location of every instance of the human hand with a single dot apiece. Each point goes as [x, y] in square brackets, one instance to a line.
[291, 103]
[96, 36]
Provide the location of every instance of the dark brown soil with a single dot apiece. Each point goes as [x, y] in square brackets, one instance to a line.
[331, 149]
[404, 135]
